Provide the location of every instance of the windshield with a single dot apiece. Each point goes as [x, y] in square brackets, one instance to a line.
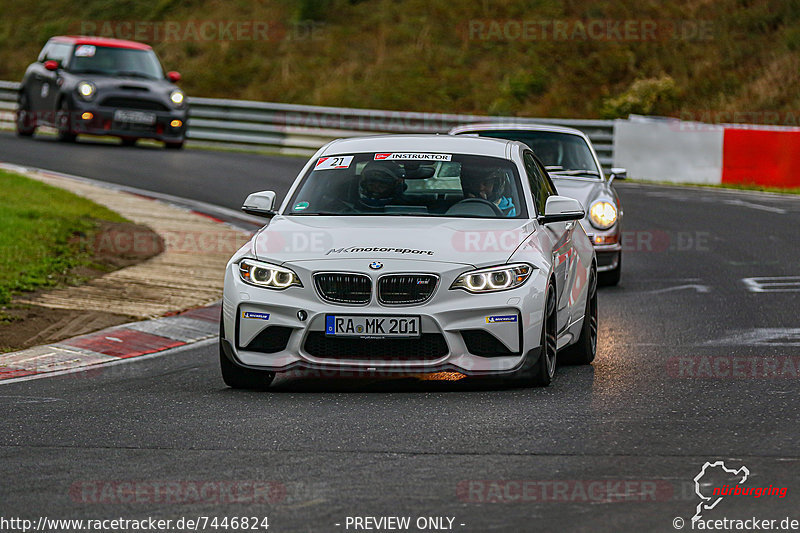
[560, 152]
[410, 184]
[91, 59]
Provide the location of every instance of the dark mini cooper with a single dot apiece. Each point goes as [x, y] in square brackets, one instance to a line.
[99, 86]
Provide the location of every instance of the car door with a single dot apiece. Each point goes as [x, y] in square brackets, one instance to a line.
[49, 80]
[560, 234]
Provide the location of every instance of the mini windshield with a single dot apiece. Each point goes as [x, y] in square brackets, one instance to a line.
[561, 153]
[410, 184]
[91, 59]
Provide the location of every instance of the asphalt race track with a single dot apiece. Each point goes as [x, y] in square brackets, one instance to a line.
[693, 366]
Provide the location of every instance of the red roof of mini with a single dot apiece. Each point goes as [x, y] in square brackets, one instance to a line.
[101, 41]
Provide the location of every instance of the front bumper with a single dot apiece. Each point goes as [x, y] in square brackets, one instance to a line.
[103, 123]
[280, 341]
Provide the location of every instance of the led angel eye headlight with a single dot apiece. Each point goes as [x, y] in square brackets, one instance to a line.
[602, 215]
[493, 279]
[267, 275]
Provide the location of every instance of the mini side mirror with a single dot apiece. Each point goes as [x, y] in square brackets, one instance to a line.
[561, 209]
[260, 204]
[51, 65]
[174, 76]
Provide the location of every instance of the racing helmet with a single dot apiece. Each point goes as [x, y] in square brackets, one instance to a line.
[380, 183]
[487, 183]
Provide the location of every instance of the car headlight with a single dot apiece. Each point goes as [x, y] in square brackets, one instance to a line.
[499, 278]
[602, 214]
[86, 90]
[267, 275]
[176, 97]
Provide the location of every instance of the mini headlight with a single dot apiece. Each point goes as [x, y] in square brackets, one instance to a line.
[86, 89]
[602, 215]
[493, 279]
[267, 275]
[176, 97]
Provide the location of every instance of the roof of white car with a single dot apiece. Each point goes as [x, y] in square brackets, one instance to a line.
[500, 126]
[421, 143]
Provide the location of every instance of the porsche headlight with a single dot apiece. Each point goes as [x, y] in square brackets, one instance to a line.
[267, 275]
[602, 214]
[86, 90]
[176, 97]
[494, 279]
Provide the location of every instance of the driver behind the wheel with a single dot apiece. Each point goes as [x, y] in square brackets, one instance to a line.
[381, 183]
[490, 185]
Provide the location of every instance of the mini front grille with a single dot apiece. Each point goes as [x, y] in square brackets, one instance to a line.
[120, 102]
[428, 346]
[398, 289]
[344, 288]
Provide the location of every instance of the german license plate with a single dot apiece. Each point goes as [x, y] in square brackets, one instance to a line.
[135, 117]
[372, 326]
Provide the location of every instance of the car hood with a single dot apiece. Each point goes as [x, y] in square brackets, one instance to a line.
[583, 190]
[135, 85]
[476, 242]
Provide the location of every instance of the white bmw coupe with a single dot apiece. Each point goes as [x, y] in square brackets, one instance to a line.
[412, 254]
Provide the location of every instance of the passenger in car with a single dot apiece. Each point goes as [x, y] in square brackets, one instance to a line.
[490, 186]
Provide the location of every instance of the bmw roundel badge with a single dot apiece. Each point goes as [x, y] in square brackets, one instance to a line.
[376, 265]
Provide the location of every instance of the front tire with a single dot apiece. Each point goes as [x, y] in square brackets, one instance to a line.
[26, 121]
[584, 351]
[64, 123]
[541, 373]
[237, 377]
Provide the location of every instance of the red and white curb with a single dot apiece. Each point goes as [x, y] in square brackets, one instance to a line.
[111, 345]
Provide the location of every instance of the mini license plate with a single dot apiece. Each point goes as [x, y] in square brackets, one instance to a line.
[372, 326]
[135, 117]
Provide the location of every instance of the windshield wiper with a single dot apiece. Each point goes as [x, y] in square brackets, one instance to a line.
[576, 172]
[134, 74]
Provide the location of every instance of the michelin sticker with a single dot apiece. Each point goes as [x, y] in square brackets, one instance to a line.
[333, 163]
[256, 316]
[413, 156]
[500, 318]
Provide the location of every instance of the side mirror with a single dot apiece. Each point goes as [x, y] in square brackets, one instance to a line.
[618, 173]
[260, 204]
[561, 209]
[51, 65]
[174, 76]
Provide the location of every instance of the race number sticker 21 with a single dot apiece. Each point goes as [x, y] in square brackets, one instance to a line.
[333, 163]
[413, 156]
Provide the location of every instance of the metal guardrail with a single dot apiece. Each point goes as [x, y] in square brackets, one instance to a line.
[302, 129]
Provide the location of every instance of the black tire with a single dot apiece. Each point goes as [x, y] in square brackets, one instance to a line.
[541, 373]
[26, 121]
[64, 123]
[237, 377]
[129, 142]
[173, 145]
[611, 277]
[584, 351]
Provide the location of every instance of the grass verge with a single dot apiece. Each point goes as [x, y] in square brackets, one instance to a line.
[44, 234]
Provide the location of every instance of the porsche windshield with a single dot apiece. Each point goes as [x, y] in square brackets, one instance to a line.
[410, 184]
[91, 59]
[561, 153]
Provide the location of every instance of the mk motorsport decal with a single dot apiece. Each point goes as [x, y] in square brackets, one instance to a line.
[358, 249]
